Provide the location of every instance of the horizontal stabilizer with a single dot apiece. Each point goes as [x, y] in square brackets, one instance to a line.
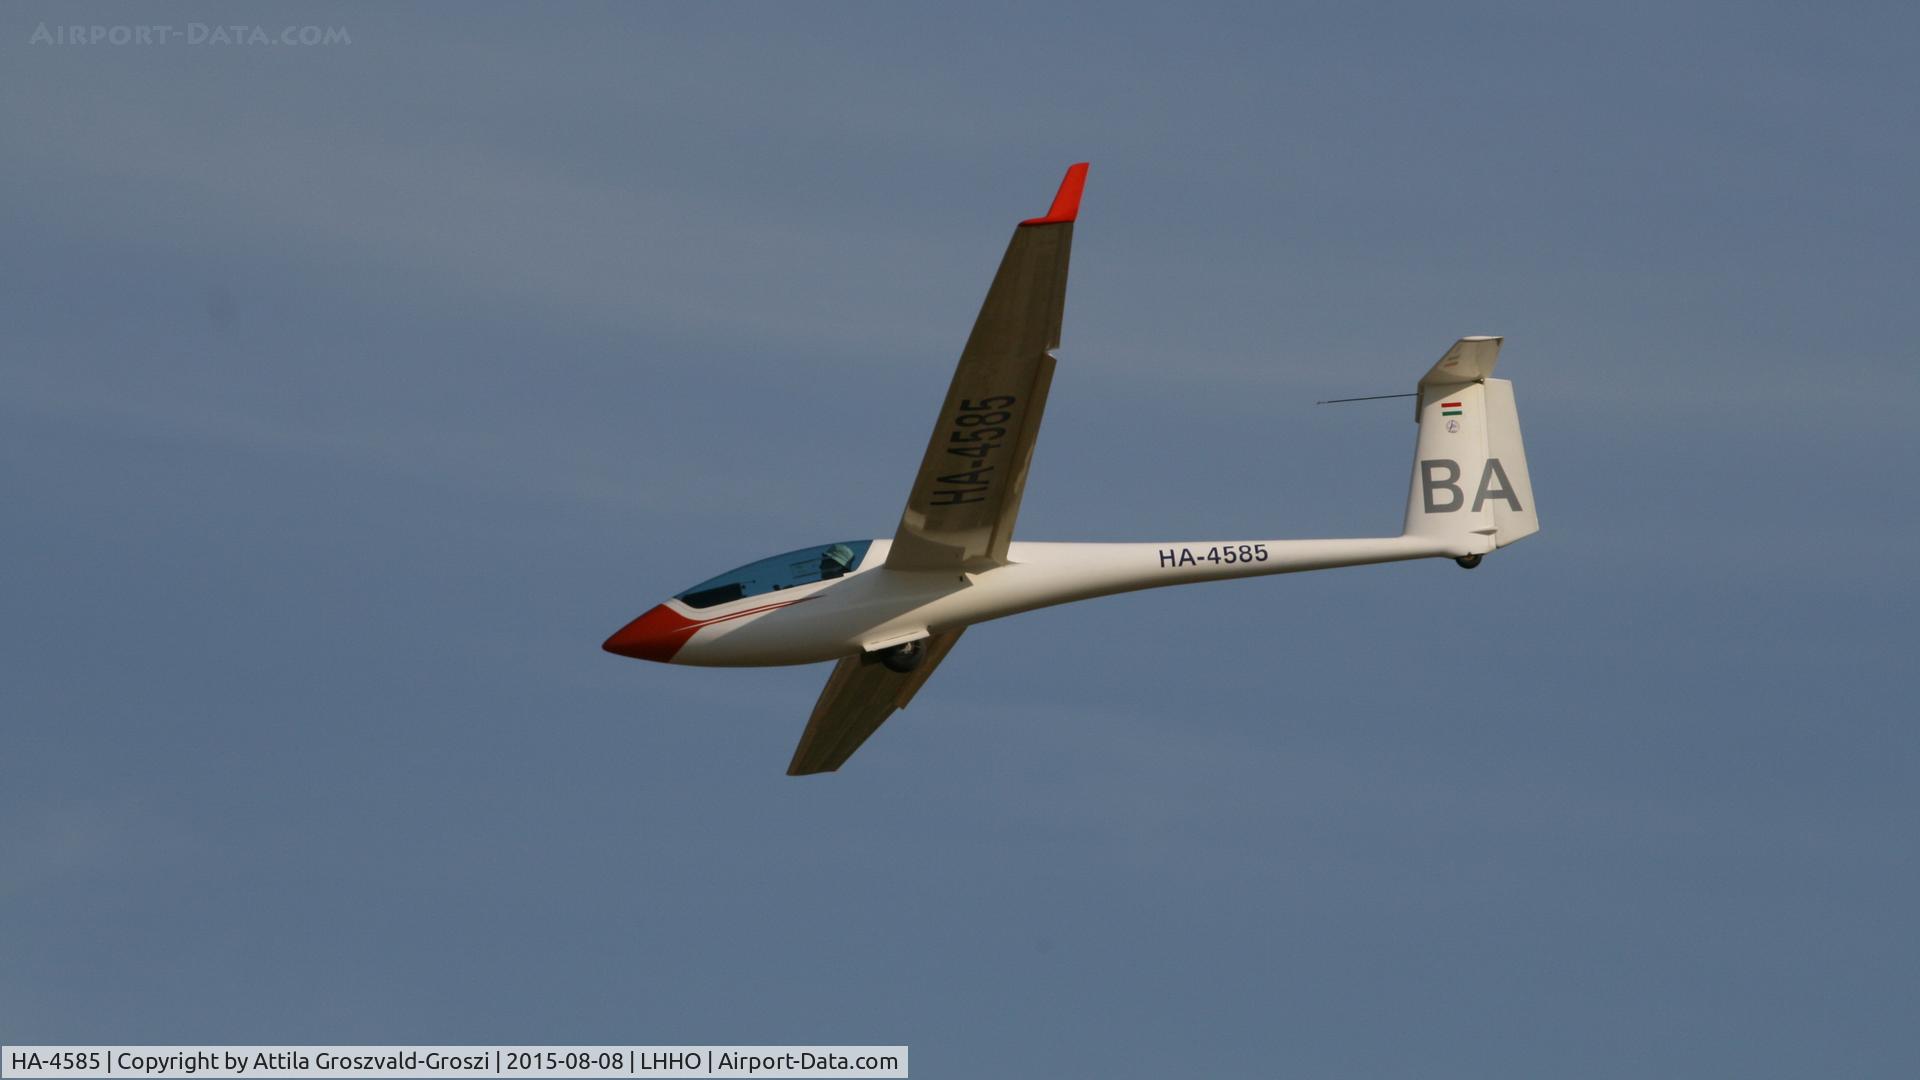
[1470, 360]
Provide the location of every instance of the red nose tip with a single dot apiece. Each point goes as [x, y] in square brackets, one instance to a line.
[657, 635]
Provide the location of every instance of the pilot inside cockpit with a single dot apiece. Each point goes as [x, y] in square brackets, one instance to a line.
[835, 562]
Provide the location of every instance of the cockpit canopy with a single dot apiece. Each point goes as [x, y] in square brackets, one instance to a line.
[802, 567]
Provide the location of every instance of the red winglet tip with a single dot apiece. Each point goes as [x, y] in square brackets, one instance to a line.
[1066, 201]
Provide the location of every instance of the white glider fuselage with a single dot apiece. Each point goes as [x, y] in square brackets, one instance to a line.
[874, 607]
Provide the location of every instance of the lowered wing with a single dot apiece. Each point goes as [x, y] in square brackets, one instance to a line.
[965, 498]
[859, 696]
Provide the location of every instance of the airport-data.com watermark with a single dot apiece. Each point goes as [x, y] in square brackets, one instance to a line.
[193, 33]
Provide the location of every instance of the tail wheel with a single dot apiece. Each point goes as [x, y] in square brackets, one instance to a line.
[904, 658]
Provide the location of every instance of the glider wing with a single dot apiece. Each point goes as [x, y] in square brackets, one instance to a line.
[860, 694]
[965, 497]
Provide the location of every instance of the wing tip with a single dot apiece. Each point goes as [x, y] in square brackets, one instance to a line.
[1066, 201]
[805, 761]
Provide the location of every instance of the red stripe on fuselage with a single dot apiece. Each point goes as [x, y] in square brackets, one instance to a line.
[662, 632]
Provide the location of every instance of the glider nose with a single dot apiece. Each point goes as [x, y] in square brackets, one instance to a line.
[657, 635]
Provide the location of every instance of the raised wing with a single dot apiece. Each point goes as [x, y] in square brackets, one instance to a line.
[961, 512]
[860, 695]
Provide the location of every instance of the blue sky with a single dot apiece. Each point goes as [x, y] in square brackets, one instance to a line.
[354, 393]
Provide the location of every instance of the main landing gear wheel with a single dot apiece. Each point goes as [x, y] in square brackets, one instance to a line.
[904, 658]
[1468, 562]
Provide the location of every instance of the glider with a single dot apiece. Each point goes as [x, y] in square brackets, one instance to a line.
[889, 610]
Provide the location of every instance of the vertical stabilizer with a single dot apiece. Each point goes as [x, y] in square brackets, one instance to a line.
[1470, 482]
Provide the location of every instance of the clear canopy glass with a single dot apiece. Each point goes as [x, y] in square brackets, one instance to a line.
[802, 567]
